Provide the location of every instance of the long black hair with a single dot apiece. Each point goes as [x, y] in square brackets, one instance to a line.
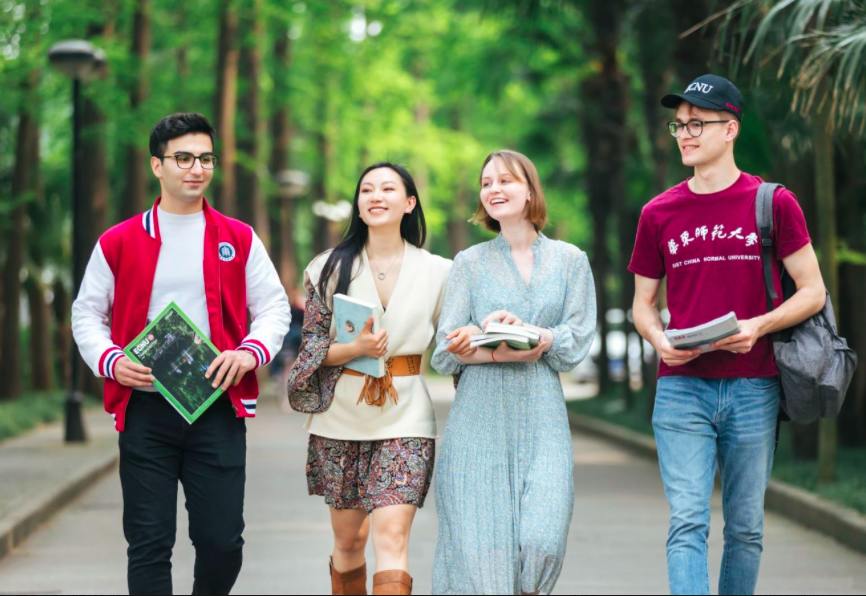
[413, 229]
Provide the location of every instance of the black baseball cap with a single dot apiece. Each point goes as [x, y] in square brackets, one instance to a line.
[710, 92]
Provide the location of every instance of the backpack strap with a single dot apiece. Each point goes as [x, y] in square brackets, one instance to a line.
[764, 214]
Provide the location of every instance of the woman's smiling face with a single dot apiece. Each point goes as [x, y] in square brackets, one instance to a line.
[382, 199]
[504, 195]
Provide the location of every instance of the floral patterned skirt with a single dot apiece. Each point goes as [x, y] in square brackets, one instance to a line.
[370, 474]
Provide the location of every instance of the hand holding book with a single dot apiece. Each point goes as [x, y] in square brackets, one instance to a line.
[742, 342]
[671, 355]
[230, 367]
[505, 353]
[130, 374]
[461, 340]
[369, 344]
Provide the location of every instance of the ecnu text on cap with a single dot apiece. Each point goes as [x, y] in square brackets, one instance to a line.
[710, 92]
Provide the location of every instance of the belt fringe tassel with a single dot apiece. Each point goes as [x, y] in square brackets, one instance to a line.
[377, 391]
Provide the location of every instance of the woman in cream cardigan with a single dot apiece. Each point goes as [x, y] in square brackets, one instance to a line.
[371, 451]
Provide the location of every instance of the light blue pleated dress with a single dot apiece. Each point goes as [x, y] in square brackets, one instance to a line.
[504, 487]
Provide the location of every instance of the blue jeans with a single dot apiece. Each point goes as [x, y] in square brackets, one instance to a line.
[699, 423]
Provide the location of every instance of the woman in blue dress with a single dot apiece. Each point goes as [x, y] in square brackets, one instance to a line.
[504, 487]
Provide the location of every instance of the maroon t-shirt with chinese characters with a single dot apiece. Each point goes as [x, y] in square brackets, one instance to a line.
[709, 248]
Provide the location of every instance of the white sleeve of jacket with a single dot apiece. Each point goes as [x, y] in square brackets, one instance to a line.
[268, 304]
[90, 315]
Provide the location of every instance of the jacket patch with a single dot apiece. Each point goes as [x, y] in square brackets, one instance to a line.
[227, 252]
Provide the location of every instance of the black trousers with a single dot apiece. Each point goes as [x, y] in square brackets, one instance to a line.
[158, 449]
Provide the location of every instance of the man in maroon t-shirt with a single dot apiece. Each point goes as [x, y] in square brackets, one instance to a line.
[719, 407]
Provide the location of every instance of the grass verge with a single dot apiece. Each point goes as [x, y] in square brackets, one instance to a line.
[25, 413]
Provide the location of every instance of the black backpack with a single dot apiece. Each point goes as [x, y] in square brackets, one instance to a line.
[816, 365]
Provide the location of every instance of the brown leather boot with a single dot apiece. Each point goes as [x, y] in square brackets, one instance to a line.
[352, 582]
[392, 582]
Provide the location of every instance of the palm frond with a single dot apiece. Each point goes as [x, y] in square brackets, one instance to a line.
[819, 46]
[838, 53]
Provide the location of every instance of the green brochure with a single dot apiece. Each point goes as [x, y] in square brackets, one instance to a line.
[179, 355]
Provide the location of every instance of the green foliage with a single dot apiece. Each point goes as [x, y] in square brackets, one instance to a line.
[849, 489]
[29, 411]
[818, 46]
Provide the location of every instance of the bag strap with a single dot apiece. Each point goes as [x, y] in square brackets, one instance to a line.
[764, 215]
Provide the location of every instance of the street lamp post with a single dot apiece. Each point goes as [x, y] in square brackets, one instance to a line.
[80, 61]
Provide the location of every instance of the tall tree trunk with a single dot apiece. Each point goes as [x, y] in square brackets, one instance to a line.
[852, 281]
[605, 134]
[282, 223]
[693, 54]
[226, 107]
[63, 333]
[182, 57]
[656, 42]
[825, 193]
[457, 226]
[852, 421]
[421, 170]
[322, 240]
[41, 353]
[251, 200]
[23, 184]
[135, 198]
[95, 182]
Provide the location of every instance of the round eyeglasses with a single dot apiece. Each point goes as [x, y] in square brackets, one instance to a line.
[696, 127]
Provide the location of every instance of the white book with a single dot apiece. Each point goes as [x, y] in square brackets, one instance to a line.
[703, 335]
[512, 330]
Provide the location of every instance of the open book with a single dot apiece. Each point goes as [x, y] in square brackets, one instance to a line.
[350, 315]
[179, 355]
[704, 335]
[517, 337]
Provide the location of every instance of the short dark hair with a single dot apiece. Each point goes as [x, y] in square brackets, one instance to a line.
[177, 125]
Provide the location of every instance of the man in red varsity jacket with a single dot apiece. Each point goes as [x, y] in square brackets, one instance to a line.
[217, 270]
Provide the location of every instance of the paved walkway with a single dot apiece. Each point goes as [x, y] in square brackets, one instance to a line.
[616, 544]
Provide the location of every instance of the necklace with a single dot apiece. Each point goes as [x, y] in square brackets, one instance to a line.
[381, 275]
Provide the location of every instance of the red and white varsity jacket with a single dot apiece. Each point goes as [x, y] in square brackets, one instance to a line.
[112, 305]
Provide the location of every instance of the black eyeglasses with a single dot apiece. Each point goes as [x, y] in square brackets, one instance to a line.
[696, 127]
[185, 161]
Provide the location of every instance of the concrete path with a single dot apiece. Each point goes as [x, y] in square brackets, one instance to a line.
[616, 545]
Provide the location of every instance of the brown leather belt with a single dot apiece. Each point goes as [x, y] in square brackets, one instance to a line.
[377, 391]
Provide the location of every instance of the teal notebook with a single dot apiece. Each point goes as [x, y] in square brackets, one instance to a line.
[350, 316]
